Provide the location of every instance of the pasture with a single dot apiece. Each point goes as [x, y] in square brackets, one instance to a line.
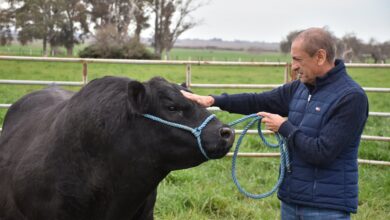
[207, 191]
[35, 49]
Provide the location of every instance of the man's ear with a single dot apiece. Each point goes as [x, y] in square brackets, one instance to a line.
[321, 56]
[138, 97]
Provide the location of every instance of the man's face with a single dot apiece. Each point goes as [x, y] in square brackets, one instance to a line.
[305, 66]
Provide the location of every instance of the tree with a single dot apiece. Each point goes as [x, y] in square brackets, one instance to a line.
[386, 50]
[285, 45]
[351, 48]
[56, 22]
[142, 16]
[171, 19]
[377, 51]
[118, 13]
[36, 19]
[73, 24]
[6, 23]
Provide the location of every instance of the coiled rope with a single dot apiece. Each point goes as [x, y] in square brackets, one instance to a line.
[284, 158]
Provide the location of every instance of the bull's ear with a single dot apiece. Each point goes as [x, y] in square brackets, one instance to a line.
[137, 97]
[184, 87]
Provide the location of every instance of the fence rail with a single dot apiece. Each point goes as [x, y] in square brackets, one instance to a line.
[258, 155]
[40, 82]
[363, 137]
[377, 114]
[267, 86]
[288, 74]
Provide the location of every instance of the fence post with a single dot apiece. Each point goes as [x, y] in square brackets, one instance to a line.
[293, 74]
[287, 73]
[85, 72]
[188, 75]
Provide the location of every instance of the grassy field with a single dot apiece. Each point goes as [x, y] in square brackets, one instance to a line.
[207, 191]
[227, 55]
[35, 49]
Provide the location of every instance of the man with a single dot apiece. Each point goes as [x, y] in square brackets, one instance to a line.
[326, 113]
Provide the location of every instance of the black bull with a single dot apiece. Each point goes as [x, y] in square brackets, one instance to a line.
[91, 154]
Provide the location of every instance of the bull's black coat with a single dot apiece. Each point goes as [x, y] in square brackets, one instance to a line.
[91, 154]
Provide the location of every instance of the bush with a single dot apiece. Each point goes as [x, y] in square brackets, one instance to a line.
[136, 50]
[111, 44]
[131, 50]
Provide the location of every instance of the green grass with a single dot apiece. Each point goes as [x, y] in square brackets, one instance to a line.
[226, 55]
[35, 49]
[207, 191]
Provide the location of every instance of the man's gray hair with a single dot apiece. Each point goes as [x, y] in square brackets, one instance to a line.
[315, 39]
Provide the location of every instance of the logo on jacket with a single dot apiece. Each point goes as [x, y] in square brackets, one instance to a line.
[318, 109]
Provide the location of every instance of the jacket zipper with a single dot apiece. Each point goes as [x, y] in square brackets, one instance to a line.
[315, 170]
[308, 101]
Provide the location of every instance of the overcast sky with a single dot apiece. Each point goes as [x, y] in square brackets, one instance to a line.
[272, 20]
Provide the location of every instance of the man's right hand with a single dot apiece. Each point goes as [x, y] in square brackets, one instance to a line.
[205, 101]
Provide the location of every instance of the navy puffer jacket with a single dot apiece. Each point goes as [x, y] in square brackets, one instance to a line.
[323, 131]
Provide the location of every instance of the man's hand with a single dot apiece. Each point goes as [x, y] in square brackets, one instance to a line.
[272, 121]
[205, 101]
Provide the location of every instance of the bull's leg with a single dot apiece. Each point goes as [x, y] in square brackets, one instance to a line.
[145, 212]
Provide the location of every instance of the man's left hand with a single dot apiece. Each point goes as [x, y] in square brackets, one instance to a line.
[272, 121]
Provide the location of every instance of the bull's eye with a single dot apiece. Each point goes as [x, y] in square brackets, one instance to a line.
[172, 108]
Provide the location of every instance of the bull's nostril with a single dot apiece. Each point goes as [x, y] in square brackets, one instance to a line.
[225, 132]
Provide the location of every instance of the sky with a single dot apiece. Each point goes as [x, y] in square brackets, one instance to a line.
[272, 20]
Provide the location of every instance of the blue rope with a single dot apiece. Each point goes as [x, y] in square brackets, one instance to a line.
[195, 131]
[284, 158]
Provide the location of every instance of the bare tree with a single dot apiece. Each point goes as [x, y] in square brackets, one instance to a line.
[352, 48]
[142, 16]
[285, 45]
[119, 13]
[386, 50]
[377, 51]
[172, 18]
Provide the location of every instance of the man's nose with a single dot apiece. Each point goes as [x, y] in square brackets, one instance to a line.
[294, 66]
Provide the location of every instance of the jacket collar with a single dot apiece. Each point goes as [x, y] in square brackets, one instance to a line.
[330, 76]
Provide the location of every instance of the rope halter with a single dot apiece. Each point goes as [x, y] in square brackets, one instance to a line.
[195, 131]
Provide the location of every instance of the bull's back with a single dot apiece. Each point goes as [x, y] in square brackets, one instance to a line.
[31, 108]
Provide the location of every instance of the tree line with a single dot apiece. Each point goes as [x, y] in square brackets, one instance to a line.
[118, 22]
[350, 48]
[117, 26]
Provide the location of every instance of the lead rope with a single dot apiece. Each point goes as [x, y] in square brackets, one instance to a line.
[284, 158]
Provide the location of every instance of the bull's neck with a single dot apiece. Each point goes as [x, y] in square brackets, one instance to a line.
[140, 185]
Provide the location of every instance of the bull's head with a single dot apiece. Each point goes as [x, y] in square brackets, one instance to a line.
[177, 148]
